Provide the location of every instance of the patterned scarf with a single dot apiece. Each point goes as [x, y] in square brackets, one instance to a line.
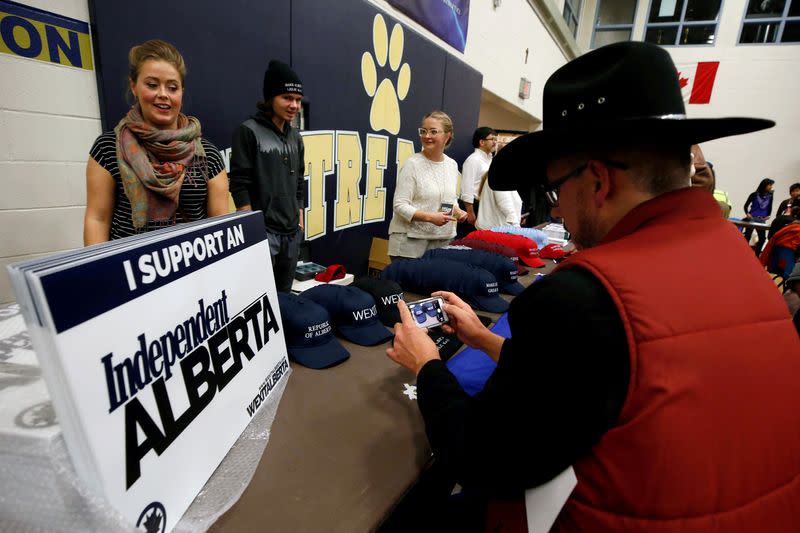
[153, 162]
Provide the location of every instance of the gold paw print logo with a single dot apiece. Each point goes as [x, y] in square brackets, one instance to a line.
[385, 111]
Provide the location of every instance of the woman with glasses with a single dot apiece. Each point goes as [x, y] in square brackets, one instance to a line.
[425, 206]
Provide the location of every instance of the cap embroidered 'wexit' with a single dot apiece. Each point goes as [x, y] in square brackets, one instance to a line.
[387, 294]
[475, 285]
[353, 312]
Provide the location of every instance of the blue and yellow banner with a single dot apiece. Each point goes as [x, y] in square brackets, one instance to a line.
[37, 34]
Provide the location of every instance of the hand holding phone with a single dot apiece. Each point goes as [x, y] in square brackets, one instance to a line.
[440, 219]
[428, 313]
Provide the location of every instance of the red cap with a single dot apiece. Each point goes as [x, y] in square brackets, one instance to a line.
[552, 251]
[526, 249]
[495, 249]
[332, 272]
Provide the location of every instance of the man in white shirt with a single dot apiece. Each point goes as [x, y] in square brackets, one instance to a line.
[475, 166]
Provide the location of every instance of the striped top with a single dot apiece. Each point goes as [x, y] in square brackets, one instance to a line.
[193, 200]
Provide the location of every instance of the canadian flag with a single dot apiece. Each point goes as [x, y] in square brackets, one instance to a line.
[697, 80]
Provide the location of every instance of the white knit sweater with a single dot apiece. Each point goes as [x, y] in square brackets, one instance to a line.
[424, 185]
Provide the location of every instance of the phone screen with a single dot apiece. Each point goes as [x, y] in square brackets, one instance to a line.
[428, 313]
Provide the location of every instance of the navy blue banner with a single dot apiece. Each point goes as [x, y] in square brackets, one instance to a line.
[82, 292]
[449, 19]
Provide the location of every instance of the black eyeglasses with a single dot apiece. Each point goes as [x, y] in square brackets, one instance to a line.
[551, 188]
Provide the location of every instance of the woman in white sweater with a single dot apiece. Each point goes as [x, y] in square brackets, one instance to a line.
[498, 208]
[425, 207]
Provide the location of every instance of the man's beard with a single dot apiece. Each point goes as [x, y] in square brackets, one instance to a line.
[587, 230]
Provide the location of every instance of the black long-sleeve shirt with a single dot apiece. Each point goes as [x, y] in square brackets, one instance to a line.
[559, 385]
[784, 205]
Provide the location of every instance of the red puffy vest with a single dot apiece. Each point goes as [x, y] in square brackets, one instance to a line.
[709, 436]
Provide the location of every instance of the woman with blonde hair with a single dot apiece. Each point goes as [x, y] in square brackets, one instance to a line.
[425, 205]
[154, 169]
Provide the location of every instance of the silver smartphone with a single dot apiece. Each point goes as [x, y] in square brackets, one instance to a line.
[428, 313]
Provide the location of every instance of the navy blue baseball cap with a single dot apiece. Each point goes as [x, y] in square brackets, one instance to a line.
[475, 285]
[430, 309]
[503, 268]
[447, 343]
[354, 313]
[491, 247]
[308, 332]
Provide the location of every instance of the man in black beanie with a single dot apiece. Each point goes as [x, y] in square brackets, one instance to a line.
[267, 169]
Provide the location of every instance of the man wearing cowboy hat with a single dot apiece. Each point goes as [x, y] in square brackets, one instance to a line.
[634, 361]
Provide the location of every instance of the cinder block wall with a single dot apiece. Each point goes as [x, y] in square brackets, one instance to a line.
[49, 117]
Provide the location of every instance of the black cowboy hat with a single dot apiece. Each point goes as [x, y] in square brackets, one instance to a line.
[623, 91]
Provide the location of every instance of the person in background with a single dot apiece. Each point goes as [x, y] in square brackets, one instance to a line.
[154, 169]
[720, 196]
[268, 168]
[782, 220]
[498, 208]
[626, 380]
[758, 208]
[792, 295]
[787, 236]
[484, 140]
[425, 204]
[537, 207]
[785, 207]
[705, 178]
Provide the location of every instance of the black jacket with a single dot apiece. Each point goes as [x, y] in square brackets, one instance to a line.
[267, 168]
[789, 202]
[559, 386]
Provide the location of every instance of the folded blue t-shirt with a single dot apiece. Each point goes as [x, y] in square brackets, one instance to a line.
[473, 367]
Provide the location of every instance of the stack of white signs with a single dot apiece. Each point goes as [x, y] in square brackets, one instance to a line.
[27, 420]
[29, 434]
[157, 351]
